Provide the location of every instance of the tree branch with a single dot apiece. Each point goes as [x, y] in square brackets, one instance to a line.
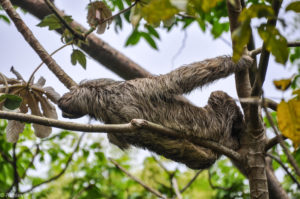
[31, 162]
[242, 81]
[274, 141]
[15, 166]
[285, 168]
[257, 51]
[6, 158]
[191, 181]
[96, 48]
[214, 186]
[61, 19]
[175, 188]
[35, 44]
[155, 192]
[62, 171]
[119, 128]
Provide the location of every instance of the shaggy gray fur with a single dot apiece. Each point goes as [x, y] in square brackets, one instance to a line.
[155, 99]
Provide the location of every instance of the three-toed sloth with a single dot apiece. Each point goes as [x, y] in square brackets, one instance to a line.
[156, 99]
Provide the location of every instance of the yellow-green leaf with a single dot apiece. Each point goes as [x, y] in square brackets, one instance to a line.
[256, 10]
[158, 10]
[296, 92]
[275, 42]
[204, 5]
[288, 115]
[282, 84]
[294, 6]
[240, 38]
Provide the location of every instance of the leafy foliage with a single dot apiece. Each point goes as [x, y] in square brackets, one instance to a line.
[53, 23]
[78, 56]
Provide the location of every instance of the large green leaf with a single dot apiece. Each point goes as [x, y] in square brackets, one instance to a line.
[158, 10]
[11, 101]
[275, 42]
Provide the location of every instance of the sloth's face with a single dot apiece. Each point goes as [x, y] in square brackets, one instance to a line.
[72, 104]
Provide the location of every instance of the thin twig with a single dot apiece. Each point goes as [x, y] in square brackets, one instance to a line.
[15, 165]
[63, 21]
[257, 51]
[191, 181]
[135, 124]
[175, 187]
[39, 66]
[6, 158]
[282, 144]
[35, 44]
[214, 186]
[161, 165]
[285, 168]
[31, 162]
[155, 192]
[62, 171]
[119, 13]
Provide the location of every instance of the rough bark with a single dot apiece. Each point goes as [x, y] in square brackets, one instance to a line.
[253, 141]
[96, 48]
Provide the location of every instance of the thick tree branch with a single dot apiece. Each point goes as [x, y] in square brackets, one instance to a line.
[96, 48]
[119, 128]
[285, 169]
[257, 51]
[62, 171]
[155, 192]
[35, 44]
[243, 86]
[275, 189]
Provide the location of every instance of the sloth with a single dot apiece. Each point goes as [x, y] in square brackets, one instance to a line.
[157, 99]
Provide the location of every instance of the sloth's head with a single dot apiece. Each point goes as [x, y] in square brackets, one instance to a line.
[74, 104]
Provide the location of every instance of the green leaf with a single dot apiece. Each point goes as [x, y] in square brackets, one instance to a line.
[275, 42]
[257, 10]
[294, 54]
[5, 18]
[240, 38]
[149, 39]
[53, 22]
[78, 56]
[133, 38]
[152, 31]
[294, 6]
[11, 101]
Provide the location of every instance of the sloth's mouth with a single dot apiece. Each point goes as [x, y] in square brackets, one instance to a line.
[71, 116]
